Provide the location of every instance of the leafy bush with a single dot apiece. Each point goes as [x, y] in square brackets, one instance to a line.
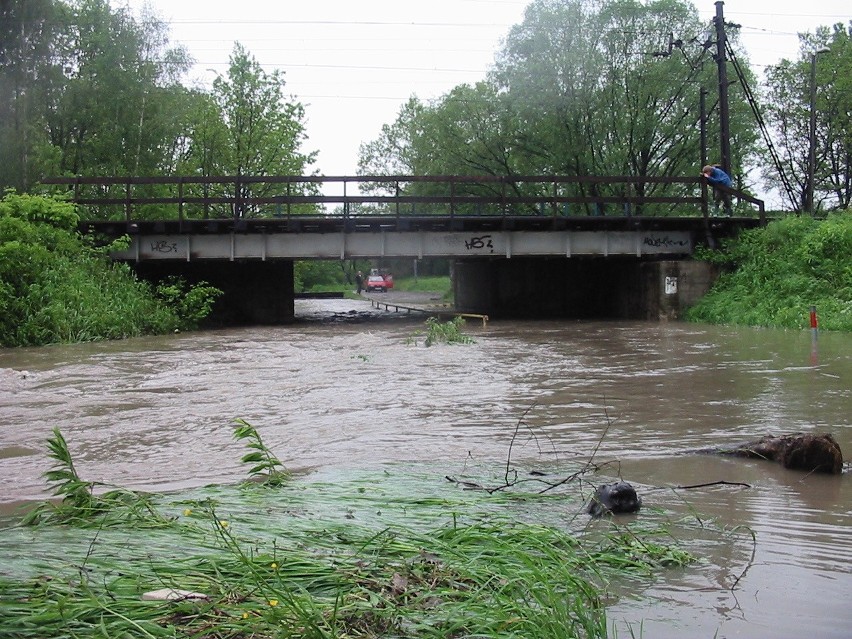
[775, 274]
[78, 300]
[191, 304]
[54, 212]
[56, 288]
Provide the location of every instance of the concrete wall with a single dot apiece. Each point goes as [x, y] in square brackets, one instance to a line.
[255, 292]
[676, 285]
[580, 288]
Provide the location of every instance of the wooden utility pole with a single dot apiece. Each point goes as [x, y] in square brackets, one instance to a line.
[702, 105]
[702, 130]
[724, 117]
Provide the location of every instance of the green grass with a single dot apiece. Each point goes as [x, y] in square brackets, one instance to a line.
[309, 560]
[438, 332]
[775, 274]
[431, 284]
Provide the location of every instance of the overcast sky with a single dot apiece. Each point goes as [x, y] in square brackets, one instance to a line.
[353, 64]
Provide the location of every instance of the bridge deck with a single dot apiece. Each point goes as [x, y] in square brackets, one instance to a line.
[433, 223]
[440, 238]
[287, 217]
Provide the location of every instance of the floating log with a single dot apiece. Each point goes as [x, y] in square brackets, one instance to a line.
[797, 451]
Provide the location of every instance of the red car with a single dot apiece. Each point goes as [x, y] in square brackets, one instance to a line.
[378, 283]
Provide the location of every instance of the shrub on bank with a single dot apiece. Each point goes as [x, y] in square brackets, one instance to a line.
[775, 274]
[55, 287]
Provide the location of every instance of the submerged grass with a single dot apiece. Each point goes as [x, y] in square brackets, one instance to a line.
[321, 560]
[380, 555]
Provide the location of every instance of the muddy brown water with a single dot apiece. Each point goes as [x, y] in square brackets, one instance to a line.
[346, 388]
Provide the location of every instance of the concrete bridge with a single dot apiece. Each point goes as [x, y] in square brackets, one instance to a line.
[521, 246]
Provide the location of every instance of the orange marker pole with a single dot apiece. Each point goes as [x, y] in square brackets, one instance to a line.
[814, 332]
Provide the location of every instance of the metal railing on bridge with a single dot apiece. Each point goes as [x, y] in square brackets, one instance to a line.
[241, 198]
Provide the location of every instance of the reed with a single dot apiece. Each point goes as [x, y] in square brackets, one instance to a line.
[267, 468]
[77, 501]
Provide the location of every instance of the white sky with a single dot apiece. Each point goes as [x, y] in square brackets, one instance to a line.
[354, 63]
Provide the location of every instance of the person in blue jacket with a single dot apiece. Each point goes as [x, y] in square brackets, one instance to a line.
[716, 176]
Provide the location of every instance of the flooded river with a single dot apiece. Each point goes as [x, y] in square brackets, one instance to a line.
[349, 386]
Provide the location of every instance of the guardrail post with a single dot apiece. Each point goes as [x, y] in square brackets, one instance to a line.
[345, 201]
[180, 203]
[555, 204]
[127, 203]
[237, 197]
[206, 190]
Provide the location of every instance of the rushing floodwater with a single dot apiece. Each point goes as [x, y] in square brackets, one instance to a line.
[356, 393]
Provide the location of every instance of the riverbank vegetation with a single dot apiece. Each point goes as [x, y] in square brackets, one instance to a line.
[378, 555]
[57, 287]
[772, 276]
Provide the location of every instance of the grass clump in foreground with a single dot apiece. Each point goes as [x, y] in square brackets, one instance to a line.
[438, 332]
[374, 558]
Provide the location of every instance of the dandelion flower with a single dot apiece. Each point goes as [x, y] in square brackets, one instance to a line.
[273, 602]
[274, 566]
[224, 523]
[245, 615]
[187, 512]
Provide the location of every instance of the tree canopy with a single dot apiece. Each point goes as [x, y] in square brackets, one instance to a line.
[580, 87]
[89, 89]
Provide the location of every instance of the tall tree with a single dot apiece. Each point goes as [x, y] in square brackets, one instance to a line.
[85, 90]
[789, 113]
[265, 129]
[28, 31]
[110, 116]
[259, 131]
[392, 152]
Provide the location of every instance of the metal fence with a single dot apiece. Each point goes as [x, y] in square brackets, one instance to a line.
[351, 197]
